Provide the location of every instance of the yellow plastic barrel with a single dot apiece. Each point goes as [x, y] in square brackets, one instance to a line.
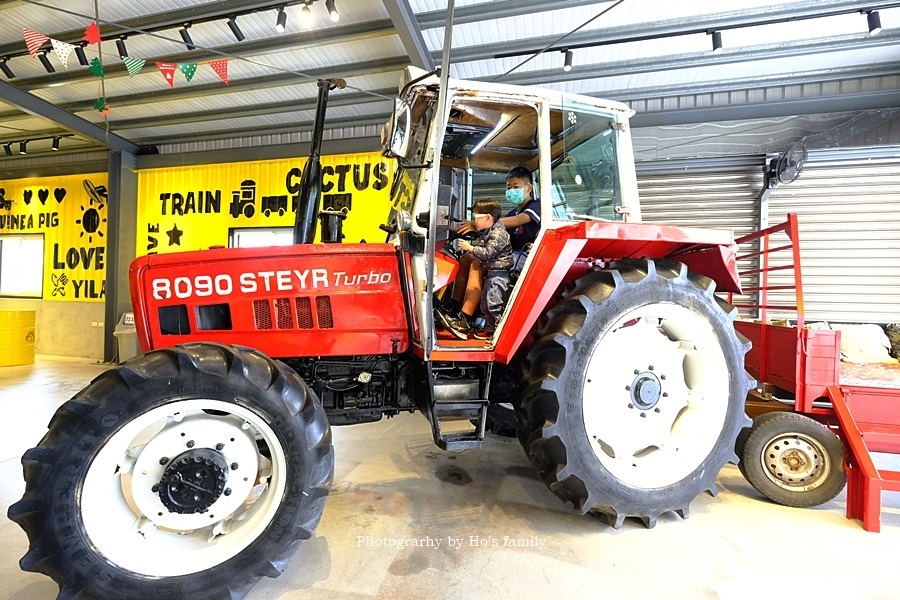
[16, 337]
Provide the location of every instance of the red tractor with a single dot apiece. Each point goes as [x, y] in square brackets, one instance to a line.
[199, 467]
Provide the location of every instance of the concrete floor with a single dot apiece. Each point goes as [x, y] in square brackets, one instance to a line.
[392, 483]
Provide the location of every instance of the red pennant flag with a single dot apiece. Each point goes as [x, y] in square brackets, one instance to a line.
[92, 33]
[34, 40]
[221, 69]
[168, 71]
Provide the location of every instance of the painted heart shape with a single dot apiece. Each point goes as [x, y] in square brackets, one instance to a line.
[43, 194]
[59, 194]
[26, 196]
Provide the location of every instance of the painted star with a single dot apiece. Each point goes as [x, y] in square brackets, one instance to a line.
[174, 236]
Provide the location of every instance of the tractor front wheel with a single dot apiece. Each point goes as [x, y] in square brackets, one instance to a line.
[184, 473]
[636, 390]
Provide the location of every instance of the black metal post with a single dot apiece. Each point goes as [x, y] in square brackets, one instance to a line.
[311, 179]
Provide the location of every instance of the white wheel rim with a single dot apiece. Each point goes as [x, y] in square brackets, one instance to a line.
[121, 513]
[795, 462]
[656, 393]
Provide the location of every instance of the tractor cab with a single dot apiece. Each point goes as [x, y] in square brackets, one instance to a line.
[578, 150]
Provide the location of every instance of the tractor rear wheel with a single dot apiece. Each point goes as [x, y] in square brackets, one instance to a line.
[793, 460]
[635, 391]
[184, 473]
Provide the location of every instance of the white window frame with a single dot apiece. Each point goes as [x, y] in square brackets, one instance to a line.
[21, 276]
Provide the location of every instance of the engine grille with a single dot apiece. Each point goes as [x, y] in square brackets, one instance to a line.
[284, 315]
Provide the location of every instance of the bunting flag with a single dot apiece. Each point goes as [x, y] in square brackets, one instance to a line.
[102, 106]
[34, 40]
[134, 65]
[63, 50]
[188, 69]
[168, 71]
[221, 69]
[96, 68]
[92, 33]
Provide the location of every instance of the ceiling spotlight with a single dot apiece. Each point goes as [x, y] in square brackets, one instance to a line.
[82, 58]
[874, 22]
[282, 20]
[186, 36]
[8, 148]
[568, 66]
[717, 41]
[55, 144]
[5, 68]
[232, 24]
[305, 14]
[329, 4]
[22, 147]
[42, 56]
[120, 46]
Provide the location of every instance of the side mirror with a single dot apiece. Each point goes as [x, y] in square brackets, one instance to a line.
[398, 143]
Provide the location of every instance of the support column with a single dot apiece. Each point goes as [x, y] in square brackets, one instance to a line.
[120, 243]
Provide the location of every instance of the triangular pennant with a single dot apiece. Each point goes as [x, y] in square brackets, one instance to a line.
[102, 106]
[168, 71]
[63, 50]
[34, 40]
[92, 34]
[188, 69]
[96, 68]
[221, 69]
[134, 65]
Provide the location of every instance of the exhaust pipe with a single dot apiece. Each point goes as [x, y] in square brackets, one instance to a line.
[311, 178]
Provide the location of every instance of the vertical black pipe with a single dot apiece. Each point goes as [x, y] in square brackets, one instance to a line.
[311, 179]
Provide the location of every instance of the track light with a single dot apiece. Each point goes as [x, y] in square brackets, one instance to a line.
[5, 68]
[55, 144]
[717, 41]
[8, 148]
[568, 66]
[329, 4]
[186, 36]
[120, 46]
[42, 56]
[305, 14]
[282, 20]
[874, 22]
[82, 58]
[232, 24]
[22, 147]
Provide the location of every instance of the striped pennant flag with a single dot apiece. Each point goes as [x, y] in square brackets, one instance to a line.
[33, 40]
[134, 65]
[63, 50]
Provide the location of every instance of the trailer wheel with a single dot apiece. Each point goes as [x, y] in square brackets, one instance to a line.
[636, 391]
[745, 433]
[184, 473]
[794, 460]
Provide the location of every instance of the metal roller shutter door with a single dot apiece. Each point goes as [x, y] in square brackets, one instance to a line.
[848, 207]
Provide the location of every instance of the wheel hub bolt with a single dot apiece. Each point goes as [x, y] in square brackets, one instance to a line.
[650, 368]
[637, 371]
[163, 460]
[661, 376]
[656, 410]
[234, 466]
[628, 388]
[190, 444]
[227, 491]
[155, 488]
[643, 415]
[219, 446]
[630, 405]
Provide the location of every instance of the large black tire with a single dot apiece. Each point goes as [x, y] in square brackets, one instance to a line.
[107, 517]
[636, 389]
[793, 460]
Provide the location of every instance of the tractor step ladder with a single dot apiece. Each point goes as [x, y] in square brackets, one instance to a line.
[869, 421]
[458, 402]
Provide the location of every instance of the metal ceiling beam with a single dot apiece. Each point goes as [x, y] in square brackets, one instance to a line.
[499, 9]
[281, 128]
[404, 20]
[155, 22]
[352, 99]
[41, 108]
[307, 40]
[656, 64]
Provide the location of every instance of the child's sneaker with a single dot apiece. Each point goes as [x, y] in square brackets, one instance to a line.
[459, 326]
[484, 334]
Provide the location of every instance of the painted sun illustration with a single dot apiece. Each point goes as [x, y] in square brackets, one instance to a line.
[90, 219]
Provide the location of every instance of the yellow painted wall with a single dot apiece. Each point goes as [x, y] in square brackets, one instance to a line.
[71, 213]
[193, 208]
